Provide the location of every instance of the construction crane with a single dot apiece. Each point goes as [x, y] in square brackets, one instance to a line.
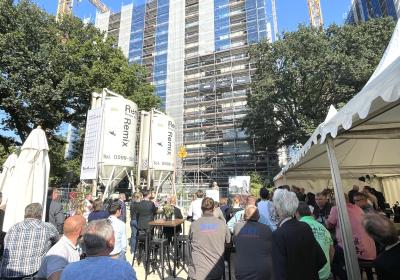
[65, 7]
[314, 9]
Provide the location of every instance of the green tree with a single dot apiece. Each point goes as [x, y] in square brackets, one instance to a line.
[3, 156]
[301, 75]
[63, 170]
[256, 183]
[49, 70]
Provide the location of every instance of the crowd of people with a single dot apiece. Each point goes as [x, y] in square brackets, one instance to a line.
[283, 234]
[290, 234]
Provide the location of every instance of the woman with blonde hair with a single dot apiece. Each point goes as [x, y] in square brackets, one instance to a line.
[235, 207]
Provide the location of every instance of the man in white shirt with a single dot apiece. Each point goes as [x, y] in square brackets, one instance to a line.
[195, 207]
[65, 251]
[119, 231]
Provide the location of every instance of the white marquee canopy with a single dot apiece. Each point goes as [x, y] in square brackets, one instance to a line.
[362, 138]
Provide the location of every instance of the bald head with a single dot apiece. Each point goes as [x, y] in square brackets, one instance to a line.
[73, 226]
[251, 213]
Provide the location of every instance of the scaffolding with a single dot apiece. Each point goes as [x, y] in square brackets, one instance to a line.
[208, 97]
[216, 89]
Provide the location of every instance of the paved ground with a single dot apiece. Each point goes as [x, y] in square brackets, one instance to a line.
[140, 273]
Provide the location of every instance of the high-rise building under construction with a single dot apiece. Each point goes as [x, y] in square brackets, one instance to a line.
[363, 10]
[196, 52]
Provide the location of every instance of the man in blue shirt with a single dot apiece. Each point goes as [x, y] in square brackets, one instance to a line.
[99, 243]
[239, 216]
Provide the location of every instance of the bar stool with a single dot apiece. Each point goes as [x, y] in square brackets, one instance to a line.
[183, 242]
[159, 247]
[367, 267]
[141, 245]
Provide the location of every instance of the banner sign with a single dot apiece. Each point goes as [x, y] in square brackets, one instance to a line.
[119, 132]
[239, 185]
[158, 134]
[110, 137]
[91, 146]
[163, 142]
[214, 194]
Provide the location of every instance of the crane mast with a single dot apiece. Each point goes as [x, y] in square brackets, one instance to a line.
[100, 6]
[65, 7]
[314, 9]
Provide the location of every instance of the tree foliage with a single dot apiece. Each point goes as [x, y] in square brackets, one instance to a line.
[301, 75]
[49, 70]
[256, 183]
[63, 170]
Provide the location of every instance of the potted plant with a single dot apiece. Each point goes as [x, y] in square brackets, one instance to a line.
[168, 211]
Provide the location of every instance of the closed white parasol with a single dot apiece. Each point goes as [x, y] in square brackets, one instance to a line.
[29, 181]
[5, 175]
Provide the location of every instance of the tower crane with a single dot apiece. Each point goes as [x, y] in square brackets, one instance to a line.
[314, 9]
[65, 7]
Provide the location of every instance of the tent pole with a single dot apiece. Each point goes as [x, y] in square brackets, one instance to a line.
[352, 267]
[284, 179]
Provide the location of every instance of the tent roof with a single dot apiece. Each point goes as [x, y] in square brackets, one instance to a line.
[366, 130]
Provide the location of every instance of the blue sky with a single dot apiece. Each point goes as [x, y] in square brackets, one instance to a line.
[290, 12]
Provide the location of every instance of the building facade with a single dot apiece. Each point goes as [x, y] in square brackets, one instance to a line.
[363, 10]
[196, 52]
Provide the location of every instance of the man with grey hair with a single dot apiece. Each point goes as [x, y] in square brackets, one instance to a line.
[26, 243]
[383, 231]
[99, 242]
[295, 250]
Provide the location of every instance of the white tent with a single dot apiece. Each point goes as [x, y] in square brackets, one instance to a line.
[29, 181]
[362, 138]
[8, 169]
